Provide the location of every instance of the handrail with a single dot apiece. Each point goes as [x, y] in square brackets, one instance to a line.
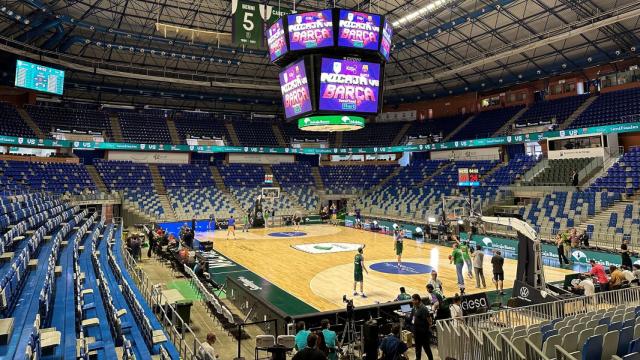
[175, 327]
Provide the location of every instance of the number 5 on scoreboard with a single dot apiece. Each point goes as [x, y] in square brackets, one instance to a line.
[247, 22]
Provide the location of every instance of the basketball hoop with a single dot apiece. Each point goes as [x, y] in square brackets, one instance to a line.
[452, 217]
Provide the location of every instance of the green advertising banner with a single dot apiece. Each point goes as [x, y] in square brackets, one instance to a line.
[452, 145]
[247, 24]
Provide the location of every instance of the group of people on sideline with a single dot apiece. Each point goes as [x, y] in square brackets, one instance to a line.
[463, 254]
[566, 241]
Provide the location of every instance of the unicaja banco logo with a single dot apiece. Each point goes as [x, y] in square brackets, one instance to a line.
[487, 242]
[579, 256]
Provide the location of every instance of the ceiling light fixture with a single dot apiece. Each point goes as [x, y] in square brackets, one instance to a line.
[429, 8]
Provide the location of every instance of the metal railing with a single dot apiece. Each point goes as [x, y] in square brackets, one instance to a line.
[175, 327]
[470, 337]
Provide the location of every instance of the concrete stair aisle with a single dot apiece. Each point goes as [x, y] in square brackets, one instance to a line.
[506, 128]
[435, 173]
[158, 185]
[279, 136]
[96, 178]
[173, 132]
[29, 121]
[219, 181]
[233, 136]
[315, 171]
[116, 130]
[400, 135]
[379, 185]
[457, 129]
[577, 113]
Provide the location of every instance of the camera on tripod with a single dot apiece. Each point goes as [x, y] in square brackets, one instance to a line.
[349, 303]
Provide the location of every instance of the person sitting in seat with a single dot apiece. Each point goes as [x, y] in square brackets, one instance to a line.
[617, 279]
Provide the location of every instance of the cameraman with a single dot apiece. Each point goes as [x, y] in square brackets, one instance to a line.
[421, 322]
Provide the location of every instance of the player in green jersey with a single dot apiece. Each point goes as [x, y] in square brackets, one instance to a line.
[358, 263]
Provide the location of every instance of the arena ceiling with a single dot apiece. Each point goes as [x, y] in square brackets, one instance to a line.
[441, 46]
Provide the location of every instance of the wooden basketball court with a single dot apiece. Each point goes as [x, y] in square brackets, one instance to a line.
[321, 279]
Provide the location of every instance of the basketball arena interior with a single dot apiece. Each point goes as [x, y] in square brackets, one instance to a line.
[356, 179]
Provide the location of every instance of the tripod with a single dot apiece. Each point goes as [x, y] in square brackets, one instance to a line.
[349, 334]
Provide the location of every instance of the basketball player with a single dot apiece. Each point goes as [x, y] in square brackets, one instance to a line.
[212, 222]
[231, 227]
[399, 237]
[357, 272]
[334, 214]
[358, 218]
[296, 220]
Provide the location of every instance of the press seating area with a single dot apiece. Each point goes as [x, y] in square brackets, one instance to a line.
[11, 123]
[144, 128]
[252, 133]
[558, 172]
[352, 179]
[49, 118]
[201, 125]
[611, 108]
[51, 177]
[486, 123]
[551, 111]
[134, 180]
[379, 134]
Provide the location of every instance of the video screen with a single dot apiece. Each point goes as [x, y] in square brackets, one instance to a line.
[310, 30]
[39, 77]
[276, 41]
[350, 86]
[296, 96]
[385, 44]
[358, 30]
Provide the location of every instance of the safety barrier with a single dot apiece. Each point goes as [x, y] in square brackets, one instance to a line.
[468, 338]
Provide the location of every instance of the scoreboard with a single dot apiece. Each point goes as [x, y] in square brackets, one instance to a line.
[468, 177]
[38, 77]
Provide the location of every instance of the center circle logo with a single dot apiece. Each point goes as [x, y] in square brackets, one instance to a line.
[406, 268]
[524, 292]
[287, 234]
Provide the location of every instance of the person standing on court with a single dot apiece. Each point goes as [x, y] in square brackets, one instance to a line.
[478, 260]
[329, 339]
[358, 266]
[435, 282]
[231, 227]
[464, 248]
[560, 246]
[497, 261]
[421, 323]
[625, 256]
[457, 259]
[398, 237]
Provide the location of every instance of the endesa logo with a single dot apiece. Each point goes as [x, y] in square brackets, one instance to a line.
[473, 304]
